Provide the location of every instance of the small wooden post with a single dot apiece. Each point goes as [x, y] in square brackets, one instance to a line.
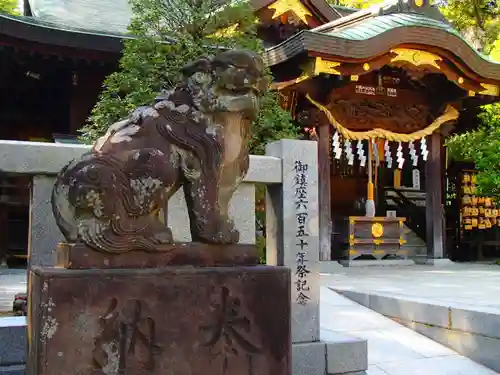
[434, 213]
[325, 214]
[370, 196]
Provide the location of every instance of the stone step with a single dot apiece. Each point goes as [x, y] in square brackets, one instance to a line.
[13, 370]
[12, 341]
[339, 354]
[470, 330]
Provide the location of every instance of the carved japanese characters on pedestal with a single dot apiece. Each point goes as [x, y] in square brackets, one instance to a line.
[194, 137]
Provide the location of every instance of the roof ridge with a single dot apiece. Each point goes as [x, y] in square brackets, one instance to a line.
[421, 7]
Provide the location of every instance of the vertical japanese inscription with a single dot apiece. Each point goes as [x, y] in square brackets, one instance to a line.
[123, 330]
[226, 334]
[301, 234]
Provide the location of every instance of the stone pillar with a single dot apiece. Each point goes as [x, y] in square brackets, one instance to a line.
[44, 234]
[434, 214]
[292, 240]
[324, 189]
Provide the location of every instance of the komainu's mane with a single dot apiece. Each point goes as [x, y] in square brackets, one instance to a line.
[189, 130]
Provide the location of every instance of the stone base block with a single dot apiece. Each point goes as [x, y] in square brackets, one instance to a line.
[345, 355]
[12, 370]
[173, 320]
[309, 358]
[80, 256]
[12, 341]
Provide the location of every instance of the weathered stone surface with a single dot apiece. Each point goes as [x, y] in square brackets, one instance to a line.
[194, 137]
[309, 358]
[346, 354]
[12, 341]
[292, 231]
[80, 256]
[44, 233]
[12, 370]
[173, 320]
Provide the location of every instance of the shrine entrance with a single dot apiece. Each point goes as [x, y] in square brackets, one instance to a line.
[380, 89]
[381, 128]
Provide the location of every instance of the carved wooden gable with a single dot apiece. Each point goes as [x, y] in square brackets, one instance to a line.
[380, 101]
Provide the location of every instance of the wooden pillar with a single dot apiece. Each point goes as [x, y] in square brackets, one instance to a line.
[324, 191]
[434, 198]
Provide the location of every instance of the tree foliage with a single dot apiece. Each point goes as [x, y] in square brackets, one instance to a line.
[479, 22]
[168, 35]
[9, 6]
[482, 147]
[360, 4]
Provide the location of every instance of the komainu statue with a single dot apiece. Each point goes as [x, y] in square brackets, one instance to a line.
[195, 136]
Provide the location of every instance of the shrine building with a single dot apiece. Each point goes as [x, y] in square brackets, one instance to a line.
[53, 61]
[380, 89]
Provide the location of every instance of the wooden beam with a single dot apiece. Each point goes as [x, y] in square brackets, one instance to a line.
[434, 213]
[324, 175]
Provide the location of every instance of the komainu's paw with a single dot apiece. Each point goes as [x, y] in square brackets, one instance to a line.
[164, 236]
[223, 232]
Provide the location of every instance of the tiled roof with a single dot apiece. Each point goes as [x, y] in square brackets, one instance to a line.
[372, 27]
[52, 24]
[95, 16]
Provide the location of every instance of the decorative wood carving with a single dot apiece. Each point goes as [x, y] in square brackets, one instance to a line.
[384, 100]
[366, 114]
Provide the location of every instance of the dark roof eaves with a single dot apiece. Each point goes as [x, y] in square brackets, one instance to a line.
[61, 36]
[286, 50]
[310, 41]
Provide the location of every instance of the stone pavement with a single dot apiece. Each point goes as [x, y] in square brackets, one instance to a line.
[461, 284]
[392, 348]
[456, 305]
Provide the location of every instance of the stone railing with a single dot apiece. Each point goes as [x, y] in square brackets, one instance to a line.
[289, 170]
[43, 161]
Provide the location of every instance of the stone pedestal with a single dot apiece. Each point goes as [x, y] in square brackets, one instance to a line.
[171, 320]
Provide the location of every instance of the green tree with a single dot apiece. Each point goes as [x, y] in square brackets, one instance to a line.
[477, 20]
[482, 147]
[169, 34]
[361, 4]
[9, 6]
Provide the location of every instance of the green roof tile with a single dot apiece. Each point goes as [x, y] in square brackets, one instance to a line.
[370, 28]
[56, 25]
[95, 16]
